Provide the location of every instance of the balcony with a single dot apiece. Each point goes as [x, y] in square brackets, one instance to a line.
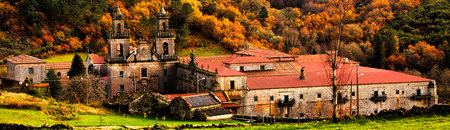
[117, 59]
[342, 100]
[164, 34]
[376, 99]
[286, 103]
[125, 34]
[421, 97]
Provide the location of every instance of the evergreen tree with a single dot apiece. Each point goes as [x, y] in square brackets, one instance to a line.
[263, 14]
[77, 67]
[378, 57]
[54, 84]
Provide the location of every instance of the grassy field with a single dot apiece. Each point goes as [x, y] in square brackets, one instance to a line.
[64, 57]
[415, 122]
[204, 51]
[38, 118]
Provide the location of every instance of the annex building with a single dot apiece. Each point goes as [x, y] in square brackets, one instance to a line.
[251, 81]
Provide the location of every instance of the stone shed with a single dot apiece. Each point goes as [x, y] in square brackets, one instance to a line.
[198, 107]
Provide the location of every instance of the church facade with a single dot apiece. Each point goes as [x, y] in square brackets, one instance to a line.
[149, 66]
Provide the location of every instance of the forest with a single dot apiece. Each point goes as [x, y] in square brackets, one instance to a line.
[402, 35]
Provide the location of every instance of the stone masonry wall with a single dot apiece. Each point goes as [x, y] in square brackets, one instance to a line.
[160, 74]
[313, 106]
[21, 71]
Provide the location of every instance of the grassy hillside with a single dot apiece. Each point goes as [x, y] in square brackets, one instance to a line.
[64, 57]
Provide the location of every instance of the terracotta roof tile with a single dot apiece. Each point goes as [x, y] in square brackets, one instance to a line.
[98, 59]
[219, 95]
[319, 78]
[247, 59]
[264, 53]
[25, 59]
[61, 65]
[221, 70]
[40, 85]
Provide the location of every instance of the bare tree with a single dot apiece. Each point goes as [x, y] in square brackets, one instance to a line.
[84, 89]
[340, 10]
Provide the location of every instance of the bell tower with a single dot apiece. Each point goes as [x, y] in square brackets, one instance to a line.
[118, 39]
[164, 37]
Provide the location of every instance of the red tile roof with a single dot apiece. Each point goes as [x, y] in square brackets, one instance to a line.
[40, 85]
[247, 59]
[219, 95]
[221, 70]
[60, 65]
[230, 105]
[319, 78]
[264, 53]
[25, 59]
[98, 59]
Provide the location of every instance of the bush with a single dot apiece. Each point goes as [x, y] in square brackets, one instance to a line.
[36, 92]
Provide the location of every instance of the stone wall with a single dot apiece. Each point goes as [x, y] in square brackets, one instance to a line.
[171, 45]
[187, 84]
[160, 76]
[313, 106]
[20, 71]
[252, 67]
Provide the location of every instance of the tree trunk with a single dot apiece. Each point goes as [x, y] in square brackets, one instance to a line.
[334, 66]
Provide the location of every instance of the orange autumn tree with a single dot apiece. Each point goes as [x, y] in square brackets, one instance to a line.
[423, 56]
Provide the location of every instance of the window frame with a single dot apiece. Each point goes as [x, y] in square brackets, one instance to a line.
[30, 70]
[142, 73]
[121, 73]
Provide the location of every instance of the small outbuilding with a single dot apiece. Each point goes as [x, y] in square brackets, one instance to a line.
[199, 107]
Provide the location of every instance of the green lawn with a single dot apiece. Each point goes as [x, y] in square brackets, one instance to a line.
[64, 57]
[38, 118]
[415, 122]
[211, 50]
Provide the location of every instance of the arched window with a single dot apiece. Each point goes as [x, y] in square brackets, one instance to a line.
[120, 50]
[164, 26]
[118, 28]
[166, 48]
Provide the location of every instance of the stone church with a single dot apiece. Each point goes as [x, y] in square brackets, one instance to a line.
[149, 66]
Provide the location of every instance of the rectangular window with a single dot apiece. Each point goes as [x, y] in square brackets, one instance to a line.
[319, 95]
[397, 91]
[165, 72]
[121, 74]
[383, 93]
[241, 68]
[232, 84]
[262, 67]
[122, 88]
[30, 70]
[286, 98]
[353, 93]
[301, 96]
[255, 98]
[418, 92]
[271, 98]
[144, 72]
[375, 93]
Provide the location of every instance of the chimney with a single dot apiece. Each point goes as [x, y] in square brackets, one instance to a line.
[302, 74]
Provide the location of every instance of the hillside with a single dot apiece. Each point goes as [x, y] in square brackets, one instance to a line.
[43, 28]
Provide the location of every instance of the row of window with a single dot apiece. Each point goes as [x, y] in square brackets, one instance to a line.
[319, 95]
[286, 97]
[144, 73]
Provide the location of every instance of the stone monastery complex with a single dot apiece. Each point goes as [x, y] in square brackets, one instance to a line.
[252, 81]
